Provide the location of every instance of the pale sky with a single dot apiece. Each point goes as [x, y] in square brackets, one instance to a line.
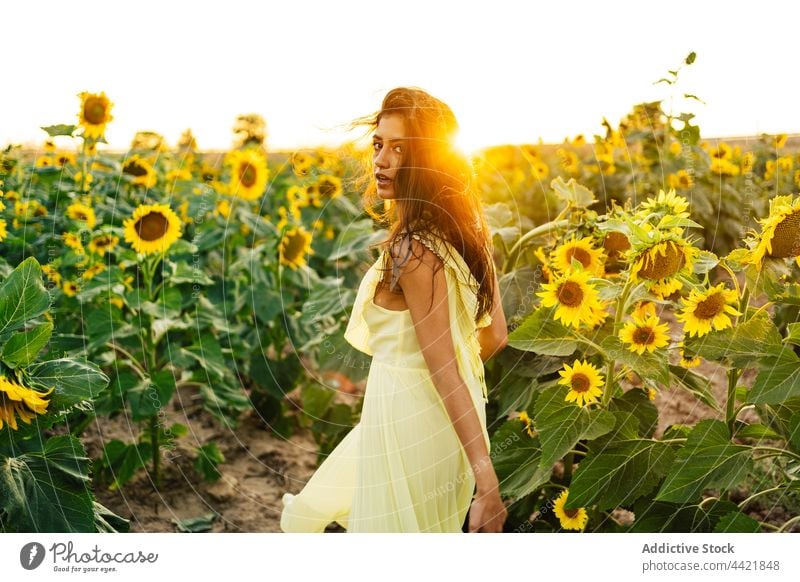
[513, 72]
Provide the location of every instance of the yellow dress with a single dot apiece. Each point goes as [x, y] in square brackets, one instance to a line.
[402, 468]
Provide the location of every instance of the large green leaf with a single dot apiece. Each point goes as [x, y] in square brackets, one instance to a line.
[776, 384]
[515, 457]
[562, 424]
[22, 296]
[641, 407]
[650, 367]
[619, 473]
[659, 517]
[46, 489]
[540, 333]
[148, 397]
[737, 522]
[23, 347]
[708, 459]
[74, 380]
[121, 461]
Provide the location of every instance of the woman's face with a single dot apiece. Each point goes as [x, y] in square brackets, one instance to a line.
[388, 153]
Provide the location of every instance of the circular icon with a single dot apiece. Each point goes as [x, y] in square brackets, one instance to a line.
[31, 555]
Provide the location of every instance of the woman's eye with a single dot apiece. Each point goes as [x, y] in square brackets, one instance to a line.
[376, 145]
[398, 149]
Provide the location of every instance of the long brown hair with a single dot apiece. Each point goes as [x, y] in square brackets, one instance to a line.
[435, 191]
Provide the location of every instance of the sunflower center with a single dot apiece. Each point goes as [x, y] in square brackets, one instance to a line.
[571, 513]
[81, 215]
[327, 188]
[643, 336]
[710, 307]
[247, 174]
[580, 383]
[616, 242]
[294, 247]
[660, 266]
[102, 241]
[570, 294]
[94, 111]
[134, 169]
[786, 240]
[580, 255]
[152, 226]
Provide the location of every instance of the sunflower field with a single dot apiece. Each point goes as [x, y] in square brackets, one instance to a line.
[652, 377]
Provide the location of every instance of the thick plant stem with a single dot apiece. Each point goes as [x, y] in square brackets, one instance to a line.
[730, 409]
[608, 389]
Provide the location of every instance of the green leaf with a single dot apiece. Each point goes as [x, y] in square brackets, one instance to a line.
[573, 192]
[148, 397]
[208, 458]
[196, 524]
[639, 405]
[776, 384]
[61, 129]
[650, 367]
[737, 522]
[23, 347]
[619, 473]
[697, 385]
[183, 273]
[793, 334]
[46, 489]
[316, 399]
[690, 58]
[22, 296]
[654, 516]
[757, 432]
[541, 334]
[516, 393]
[74, 380]
[515, 457]
[562, 424]
[707, 460]
[121, 460]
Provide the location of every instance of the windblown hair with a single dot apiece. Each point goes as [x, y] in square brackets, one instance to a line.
[435, 191]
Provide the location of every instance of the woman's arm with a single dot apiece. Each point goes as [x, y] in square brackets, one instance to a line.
[432, 325]
[494, 337]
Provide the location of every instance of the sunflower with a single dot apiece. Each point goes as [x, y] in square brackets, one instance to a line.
[615, 244]
[644, 309]
[93, 271]
[103, 243]
[688, 362]
[3, 229]
[645, 334]
[95, 114]
[73, 242]
[661, 263]
[681, 179]
[70, 288]
[302, 163]
[152, 228]
[329, 187]
[568, 160]
[294, 246]
[44, 162]
[712, 308]
[574, 297]
[17, 400]
[79, 179]
[780, 232]
[140, 170]
[78, 211]
[574, 519]
[584, 382]
[249, 173]
[526, 421]
[51, 274]
[669, 203]
[581, 250]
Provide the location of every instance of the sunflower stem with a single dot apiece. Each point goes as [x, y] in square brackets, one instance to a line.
[622, 301]
[730, 410]
[151, 361]
[568, 467]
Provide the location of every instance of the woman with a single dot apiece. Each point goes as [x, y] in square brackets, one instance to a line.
[413, 461]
